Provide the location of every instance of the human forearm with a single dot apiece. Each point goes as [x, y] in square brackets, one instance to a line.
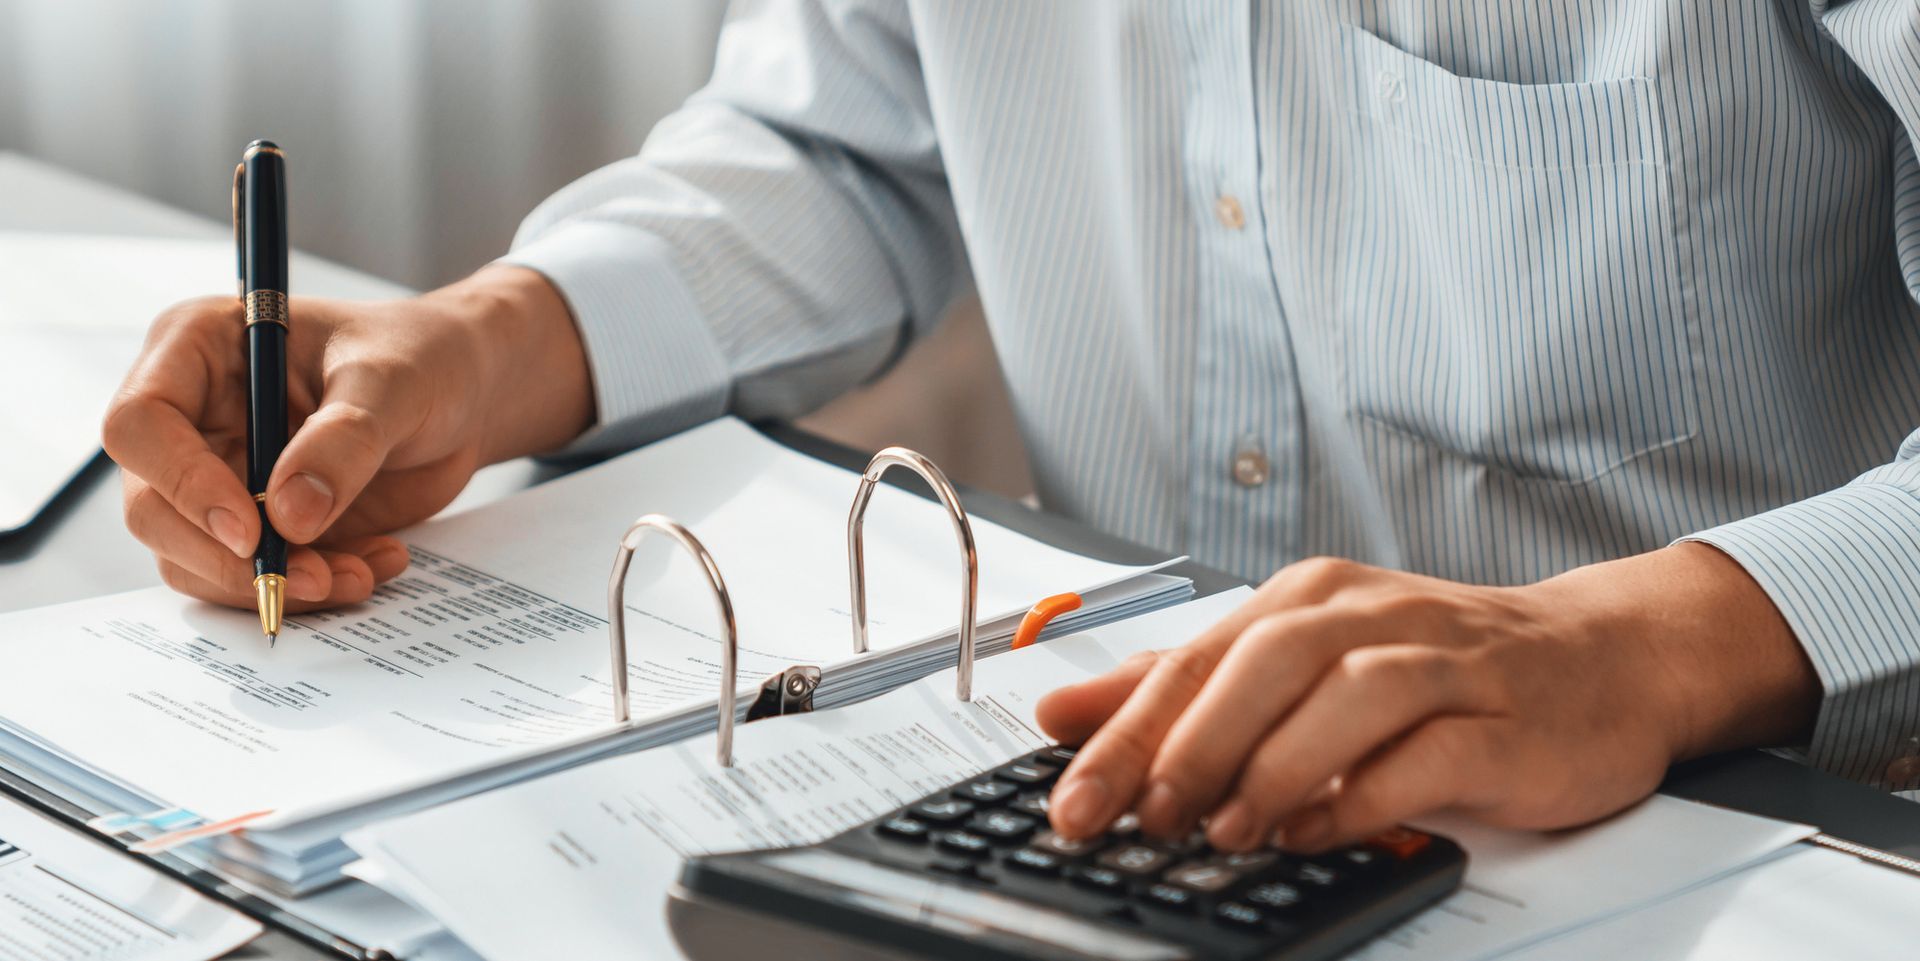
[540, 390]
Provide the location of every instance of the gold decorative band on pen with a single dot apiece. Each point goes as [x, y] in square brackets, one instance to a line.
[260, 498]
[267, 307]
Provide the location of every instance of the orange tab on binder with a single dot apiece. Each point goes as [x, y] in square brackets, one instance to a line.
[1039, 614]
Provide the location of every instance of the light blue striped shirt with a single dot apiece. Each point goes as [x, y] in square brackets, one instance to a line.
[1485, 291]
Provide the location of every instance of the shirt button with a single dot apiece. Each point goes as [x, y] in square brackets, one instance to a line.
[1227, 209]
[1389, 87]
[1250, 466]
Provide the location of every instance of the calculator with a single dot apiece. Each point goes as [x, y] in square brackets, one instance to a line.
[973, 872]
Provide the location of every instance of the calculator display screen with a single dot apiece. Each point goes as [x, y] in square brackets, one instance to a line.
[963, 911]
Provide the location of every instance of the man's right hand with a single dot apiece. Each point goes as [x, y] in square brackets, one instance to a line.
[395, 405]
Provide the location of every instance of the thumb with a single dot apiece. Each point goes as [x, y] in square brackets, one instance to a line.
[336, 452]
[1071, 714]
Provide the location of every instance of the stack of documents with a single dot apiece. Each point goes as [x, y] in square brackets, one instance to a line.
[591, 852]
[486, 663]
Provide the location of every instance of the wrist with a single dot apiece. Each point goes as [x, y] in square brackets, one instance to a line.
[1704, 651]
[536, 384]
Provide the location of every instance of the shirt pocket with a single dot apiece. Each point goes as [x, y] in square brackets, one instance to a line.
[1513, 292]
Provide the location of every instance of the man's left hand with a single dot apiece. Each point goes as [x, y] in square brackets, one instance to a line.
[1344, 699]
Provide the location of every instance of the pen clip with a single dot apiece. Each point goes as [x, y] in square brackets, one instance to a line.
[240, 230]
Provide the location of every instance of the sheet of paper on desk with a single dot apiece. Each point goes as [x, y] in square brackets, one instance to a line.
[65, 897]
[74, 309]
[591, 851]
[1808, 903]
[493, 647]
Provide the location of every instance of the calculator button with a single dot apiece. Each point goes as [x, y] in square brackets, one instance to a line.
[1180, 847]
[1028, 775]
[985, 791]
[1402, 843]
[1168, 898]
[1061, 756]
[1249, 862]
[1137, 860]
[1099, 879]
[1204, 878]
[1034, 804]
[1310, 875]
[962, 842]
[1002, 825]
[904, 829]
[1035, 861]
[1360, 860]
[942, 812]
[1067, 847]
[1126, 825]
[1236, 914]
[1276, 896]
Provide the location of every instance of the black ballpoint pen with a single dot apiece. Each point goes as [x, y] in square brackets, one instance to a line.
[260, 237]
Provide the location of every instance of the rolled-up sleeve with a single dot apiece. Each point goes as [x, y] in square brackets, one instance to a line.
[776, 241]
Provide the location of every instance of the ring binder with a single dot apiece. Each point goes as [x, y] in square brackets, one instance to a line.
[962, 530]
[617, 621]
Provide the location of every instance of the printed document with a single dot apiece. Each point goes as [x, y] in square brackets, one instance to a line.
[493, 646]
[592, 852]
[66, 897]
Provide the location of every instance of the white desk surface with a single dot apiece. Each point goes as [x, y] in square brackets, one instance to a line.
[81, 548]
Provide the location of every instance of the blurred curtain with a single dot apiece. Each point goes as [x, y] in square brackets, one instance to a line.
[419, 131]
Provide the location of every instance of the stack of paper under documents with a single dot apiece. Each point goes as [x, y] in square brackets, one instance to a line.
[487, 662]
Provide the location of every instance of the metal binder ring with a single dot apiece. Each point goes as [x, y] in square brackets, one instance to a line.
[962, 530]
[729, 632]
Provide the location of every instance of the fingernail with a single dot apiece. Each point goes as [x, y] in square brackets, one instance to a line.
[349, 584]
[1231, 827]
[228, 530]
[1080, 808]
[305, 585]
[306, 500]
[392, 557]
[1161, 810]
[1311, 831]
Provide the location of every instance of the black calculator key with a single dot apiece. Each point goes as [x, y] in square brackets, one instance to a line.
[1202, 877]
[1275, 896]
[1358, 860]
[1028, 775]
[985, 791]
[963, 842]
[904, 829]
[1250, 862]
[1136, 860]
[1067, 847]
[942, 812]
[1002, 825]
[1238, 914]
[1061, 756]
[1167, 897]
[1312, 875]
[1099, 879]
[1036, 861]
[1032, 803]
[1125, 826]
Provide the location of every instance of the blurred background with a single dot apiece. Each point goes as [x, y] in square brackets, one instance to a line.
[421, 132]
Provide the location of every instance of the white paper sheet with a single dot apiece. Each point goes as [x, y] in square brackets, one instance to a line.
[589, 853]
[74, 309]
[65, 897]
[1809, 903]
[577, 865]
[493, 645]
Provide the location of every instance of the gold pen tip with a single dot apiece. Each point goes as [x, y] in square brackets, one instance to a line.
[269, 592]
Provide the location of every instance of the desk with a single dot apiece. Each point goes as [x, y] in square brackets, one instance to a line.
[81, 549]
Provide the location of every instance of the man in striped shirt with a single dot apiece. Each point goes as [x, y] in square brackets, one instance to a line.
[1586, 333]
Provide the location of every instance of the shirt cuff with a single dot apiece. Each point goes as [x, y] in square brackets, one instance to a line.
[656, 367]
[1844, 568]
